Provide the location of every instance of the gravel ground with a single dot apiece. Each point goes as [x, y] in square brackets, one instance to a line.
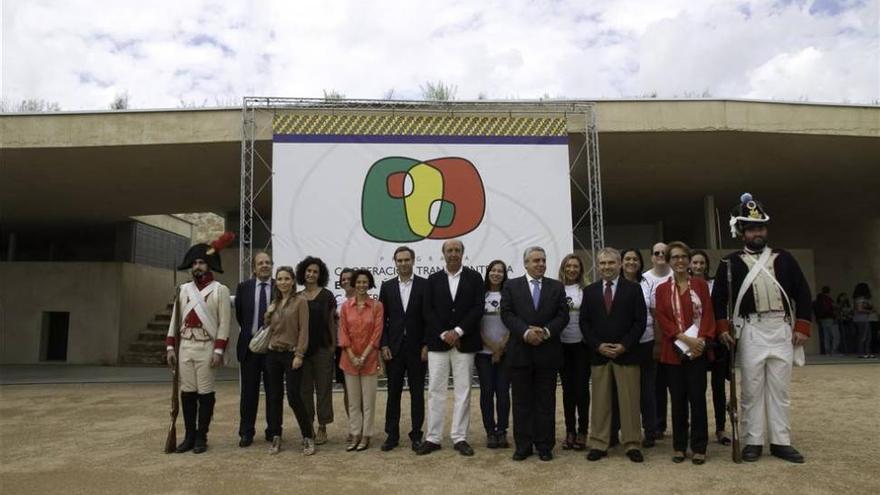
[108, 438]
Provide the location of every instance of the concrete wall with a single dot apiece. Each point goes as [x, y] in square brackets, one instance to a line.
[109, 304]
[88, 291]
[144, 291]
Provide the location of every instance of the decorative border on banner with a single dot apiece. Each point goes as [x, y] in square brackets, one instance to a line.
[322, 128]
[431, 139]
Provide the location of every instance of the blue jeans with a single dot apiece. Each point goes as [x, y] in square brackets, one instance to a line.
[494, 394]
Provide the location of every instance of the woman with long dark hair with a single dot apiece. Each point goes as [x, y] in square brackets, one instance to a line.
[631, 268]
[718, 355]
[494, 379]
[575, 372]
[288, 320]
[318, 365]
[863, 313]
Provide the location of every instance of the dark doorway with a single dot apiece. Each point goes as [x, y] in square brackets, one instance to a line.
[54, 342]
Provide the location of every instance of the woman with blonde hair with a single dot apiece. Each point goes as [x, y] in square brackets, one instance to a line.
[288, 321]
[575, 372]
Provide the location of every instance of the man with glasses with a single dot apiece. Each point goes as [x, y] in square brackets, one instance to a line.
[654, 277]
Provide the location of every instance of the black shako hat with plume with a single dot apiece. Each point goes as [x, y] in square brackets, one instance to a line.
[748, 212]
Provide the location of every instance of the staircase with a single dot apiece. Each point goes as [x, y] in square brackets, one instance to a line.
[149, 348]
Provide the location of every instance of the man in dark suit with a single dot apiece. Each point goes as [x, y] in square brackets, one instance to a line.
[453, 310]
[535, 311]
[403, 337]
[613, 317]
[252, 297]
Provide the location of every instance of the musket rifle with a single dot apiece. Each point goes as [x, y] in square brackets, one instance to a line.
[171, 438]
[732, 402]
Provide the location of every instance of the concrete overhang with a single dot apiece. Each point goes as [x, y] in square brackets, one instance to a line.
[108, 166]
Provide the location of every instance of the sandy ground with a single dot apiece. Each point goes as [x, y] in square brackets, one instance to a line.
[108, 438]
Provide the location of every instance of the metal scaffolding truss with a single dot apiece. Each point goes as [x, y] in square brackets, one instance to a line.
[584, 169]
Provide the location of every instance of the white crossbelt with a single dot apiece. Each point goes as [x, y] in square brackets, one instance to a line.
[196, 301]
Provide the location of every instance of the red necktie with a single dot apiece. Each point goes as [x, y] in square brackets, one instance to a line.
[608, 297]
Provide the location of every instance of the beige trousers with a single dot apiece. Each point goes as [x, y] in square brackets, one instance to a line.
[626, 377]
[196, 373]
[361, 403]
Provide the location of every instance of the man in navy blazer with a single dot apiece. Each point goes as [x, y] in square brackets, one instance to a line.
[612, 318]
[252, 297]
[453, 310]
[403, 337]
[534, 309]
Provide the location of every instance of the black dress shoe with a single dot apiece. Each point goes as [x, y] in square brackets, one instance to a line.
[751, 453]
[786, 452]
[491, 441]
[388, 444]
[635, 455]
[427, 447]
[502, 441]
[200, 446]
[414, 445]
[521, 456]
[245, 441]
[545, 455]
[596, 454]
[463, 448]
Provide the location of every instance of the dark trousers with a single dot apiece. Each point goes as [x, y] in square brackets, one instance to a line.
[250, 374]
[409, 364]
[687, 385]
[317, 384]
[647, 393]
[575, 374]
[494, 394]
[279, 372]
[719, 370]
[534, 408]
[661, 387]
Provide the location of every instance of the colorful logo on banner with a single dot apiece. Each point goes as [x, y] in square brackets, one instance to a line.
[407, 200]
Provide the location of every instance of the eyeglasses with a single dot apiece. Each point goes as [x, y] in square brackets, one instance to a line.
[659, 253]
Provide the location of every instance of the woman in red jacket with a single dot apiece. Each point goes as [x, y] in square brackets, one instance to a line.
[686, 323]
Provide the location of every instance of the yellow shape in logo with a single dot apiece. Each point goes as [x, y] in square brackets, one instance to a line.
[427, 187]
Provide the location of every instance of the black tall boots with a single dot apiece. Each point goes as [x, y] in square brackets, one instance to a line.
[206, 411]
[189, 403]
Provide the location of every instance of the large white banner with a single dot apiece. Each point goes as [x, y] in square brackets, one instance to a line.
[352, 202]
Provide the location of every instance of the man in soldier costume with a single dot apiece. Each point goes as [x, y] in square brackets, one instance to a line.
[771, 318]
[201, 320]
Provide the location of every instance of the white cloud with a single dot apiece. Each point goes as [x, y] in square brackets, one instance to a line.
[81, 53]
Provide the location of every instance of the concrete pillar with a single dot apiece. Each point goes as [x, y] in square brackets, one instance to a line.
[711, 222]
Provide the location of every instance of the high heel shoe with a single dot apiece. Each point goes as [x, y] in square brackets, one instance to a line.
[363, 445]
[276, 445]
[353, 443]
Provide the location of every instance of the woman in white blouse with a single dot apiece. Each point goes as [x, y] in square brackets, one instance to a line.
[575, 372]
[494, 379]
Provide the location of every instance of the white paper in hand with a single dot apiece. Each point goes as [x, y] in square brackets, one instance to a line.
[692, 332]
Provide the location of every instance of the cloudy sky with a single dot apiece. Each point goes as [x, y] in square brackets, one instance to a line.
[81, 54]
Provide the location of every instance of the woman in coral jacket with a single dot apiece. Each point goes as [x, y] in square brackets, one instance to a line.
[684, 316]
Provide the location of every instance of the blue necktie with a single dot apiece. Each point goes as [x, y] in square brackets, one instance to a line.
[261, 307]
[536, 292]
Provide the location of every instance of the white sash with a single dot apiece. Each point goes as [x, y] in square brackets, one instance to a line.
[761, 266]
[196, 301]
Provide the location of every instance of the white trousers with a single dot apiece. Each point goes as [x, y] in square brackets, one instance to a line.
[196, 373]
[765, 355]
[439, 365]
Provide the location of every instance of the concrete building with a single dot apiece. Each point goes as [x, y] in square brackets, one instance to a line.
[87, 242]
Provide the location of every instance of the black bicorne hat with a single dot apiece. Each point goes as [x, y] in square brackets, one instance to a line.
[208, 252]
[748, 212]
